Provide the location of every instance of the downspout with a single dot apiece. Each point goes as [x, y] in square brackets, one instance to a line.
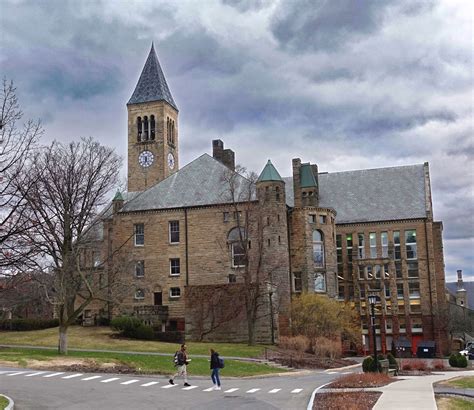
[186, 243]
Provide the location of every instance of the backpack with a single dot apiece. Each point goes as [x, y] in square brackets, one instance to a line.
[178, 358]
[221, 363]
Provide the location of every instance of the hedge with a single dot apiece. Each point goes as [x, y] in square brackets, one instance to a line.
[457, 360]
[27, 324]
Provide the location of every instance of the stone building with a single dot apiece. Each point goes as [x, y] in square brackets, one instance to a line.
[188, 232]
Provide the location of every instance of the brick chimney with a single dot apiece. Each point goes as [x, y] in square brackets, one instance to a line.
[460, 282]
[225, 156]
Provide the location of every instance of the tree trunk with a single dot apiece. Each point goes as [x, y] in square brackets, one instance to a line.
[62, 348]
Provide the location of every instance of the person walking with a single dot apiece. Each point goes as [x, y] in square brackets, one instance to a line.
[215, 367]
[181, 360]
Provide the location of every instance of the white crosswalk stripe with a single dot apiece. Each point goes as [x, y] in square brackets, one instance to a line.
[35, 374]
[168, 386]
[232, 390]
[3, 371]
[297, 390]
[331, 372]
[15, 374]
[274, 391]
[149, 384]
[54, 374]
[72, 376]
[91, 378]
[130, 381]
[209, 389]
[252, 390]
[110, 380]
[189, 387]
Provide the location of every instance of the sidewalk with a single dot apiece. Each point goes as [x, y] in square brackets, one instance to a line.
[413, 392]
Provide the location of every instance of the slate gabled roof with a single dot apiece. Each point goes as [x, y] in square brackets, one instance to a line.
[152, 84]
[201, 182]
[269, 173]
[381, 194]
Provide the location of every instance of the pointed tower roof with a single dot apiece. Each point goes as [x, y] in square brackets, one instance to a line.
[118, 196]
[152, 84]
[269, 173]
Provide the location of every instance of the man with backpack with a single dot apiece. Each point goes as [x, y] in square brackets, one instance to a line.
[181, 360]
[216, 364]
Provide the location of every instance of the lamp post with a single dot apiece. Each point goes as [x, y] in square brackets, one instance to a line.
[372, 301]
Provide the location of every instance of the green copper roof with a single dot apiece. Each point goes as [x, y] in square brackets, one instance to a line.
[307, 177]
[269, 173]
[118, 196]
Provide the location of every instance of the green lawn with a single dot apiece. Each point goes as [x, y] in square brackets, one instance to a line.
[100, 338]
[143, 363]
[453, 403]
[462, 382]
[3, 402]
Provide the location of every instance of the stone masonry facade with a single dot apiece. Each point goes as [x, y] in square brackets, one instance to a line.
[188, 247]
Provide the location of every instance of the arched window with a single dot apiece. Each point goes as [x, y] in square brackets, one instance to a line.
[318, 249]
[237, 240]
[152, 127]
[172, 132]
[139, 129]
[145, 128]
[168, 130]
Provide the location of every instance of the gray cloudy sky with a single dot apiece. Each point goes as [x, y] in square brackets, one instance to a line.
[346, 84]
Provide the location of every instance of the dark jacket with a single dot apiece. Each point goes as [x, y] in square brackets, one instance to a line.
[215, 361]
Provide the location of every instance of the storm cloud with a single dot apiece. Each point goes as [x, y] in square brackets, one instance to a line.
[345, 84]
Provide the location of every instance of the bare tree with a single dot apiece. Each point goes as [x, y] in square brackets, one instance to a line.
[260, 271]
[71, 184]
[17, 143]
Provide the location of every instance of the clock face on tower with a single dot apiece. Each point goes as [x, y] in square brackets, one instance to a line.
[145, 159]
[170, 160]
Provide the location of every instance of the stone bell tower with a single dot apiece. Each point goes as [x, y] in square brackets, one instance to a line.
[152, 129]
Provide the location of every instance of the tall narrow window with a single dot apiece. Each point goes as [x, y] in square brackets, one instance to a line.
[412, 269]
[378, 270]
[349, 247]
[139, 230]
[414, 290]
[361, 253]
[140, 269]
[174, 231]
[398, 270]
[152, 127]
[172, 132]
[384, 238]
[277, 194]
[145, 128]
[410, 244]
[339, 255]
[237, 238]
[174, 267]
[361, 272]
[396, 245]
[400, 290]
[238, 255]
[297, 283]
[318, 249]
[369, 272]
[139, 129]
[320, 282]
[373, 245]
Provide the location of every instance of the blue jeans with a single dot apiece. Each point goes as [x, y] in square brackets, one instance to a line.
[215, 377]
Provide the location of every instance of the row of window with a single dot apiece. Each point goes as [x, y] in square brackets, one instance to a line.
[174, 293]
[319, 282]
[173, 233]
[174, 263]
[374, 240]
[313, 218]
[146, 128]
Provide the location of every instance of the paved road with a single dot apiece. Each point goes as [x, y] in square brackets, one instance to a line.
[34, 389]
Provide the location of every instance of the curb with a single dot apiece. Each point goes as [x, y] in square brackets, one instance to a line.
[313, 395]
[11, 404]
[343, 368]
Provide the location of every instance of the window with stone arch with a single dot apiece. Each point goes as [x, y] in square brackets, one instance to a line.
[152, 127]
[139, 129]
[318, 249]
[237, 240]
[145, 128]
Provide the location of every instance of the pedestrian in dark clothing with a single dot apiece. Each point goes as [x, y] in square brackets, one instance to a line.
[215, 367]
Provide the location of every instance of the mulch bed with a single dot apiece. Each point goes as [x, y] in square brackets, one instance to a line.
[306, 360]
[346, 401]
[361, 380]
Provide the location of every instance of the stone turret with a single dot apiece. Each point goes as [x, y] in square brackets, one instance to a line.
[461, 292]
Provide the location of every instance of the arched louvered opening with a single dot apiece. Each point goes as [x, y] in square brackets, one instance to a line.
[152, 127]
[139, 129]
[145, 128]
